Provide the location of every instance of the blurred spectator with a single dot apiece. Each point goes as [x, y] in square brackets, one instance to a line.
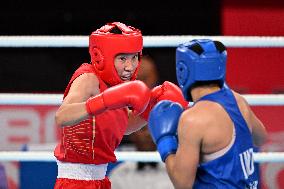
[148, 72]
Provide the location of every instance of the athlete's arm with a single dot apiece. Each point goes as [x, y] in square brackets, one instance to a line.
[135, 123]
[182, 166]
[257, 128]
[259, 132]
[73, 109]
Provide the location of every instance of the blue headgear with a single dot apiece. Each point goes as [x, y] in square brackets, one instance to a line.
[200, 60]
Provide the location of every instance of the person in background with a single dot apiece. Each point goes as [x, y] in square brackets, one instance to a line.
[148, 72]
[209, 145]
[102, 102]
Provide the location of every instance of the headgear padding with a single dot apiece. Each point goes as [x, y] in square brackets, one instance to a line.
[104, 46]
[200, 60]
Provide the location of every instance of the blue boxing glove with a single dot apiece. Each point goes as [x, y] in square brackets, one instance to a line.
[163, 123]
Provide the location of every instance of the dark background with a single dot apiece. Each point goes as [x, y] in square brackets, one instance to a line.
[48, 70]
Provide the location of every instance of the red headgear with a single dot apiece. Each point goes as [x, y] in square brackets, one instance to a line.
[104, 46]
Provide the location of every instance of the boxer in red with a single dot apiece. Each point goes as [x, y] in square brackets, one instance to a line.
[102, 102]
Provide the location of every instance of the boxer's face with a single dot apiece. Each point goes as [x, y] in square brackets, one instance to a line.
[126, 64]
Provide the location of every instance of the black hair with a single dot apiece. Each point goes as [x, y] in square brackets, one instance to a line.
[219, 46]
[115, 30]
[204, 83]
[199, 50]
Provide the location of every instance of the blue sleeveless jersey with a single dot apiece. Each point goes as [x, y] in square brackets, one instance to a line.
[235, 169]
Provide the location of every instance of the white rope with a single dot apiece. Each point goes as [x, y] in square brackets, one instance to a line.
[46, 156]
[149, 41]
[30, 99]
[265, 100]
[56, 99]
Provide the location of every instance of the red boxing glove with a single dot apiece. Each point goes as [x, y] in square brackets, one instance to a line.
[133, 94]
[166, 91]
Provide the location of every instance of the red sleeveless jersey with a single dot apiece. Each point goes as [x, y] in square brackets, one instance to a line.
[93, 140]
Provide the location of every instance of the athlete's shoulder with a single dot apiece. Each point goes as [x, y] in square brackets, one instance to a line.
[86, 83]
[204, 109]
[201, 115]
[242, 104]
[85, 68]
[194, 118]
[88, 78]
[191, 125]
[86, 72]
[240, 99]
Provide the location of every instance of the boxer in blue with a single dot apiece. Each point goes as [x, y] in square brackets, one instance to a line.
[209, 145]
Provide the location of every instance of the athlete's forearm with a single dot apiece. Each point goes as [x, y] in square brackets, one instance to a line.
[176, 175]
[259, 135]
[135, 123]
[259, 132]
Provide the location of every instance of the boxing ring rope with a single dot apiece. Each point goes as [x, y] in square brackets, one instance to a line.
[149, 41]
[56, 99]
[45, 156]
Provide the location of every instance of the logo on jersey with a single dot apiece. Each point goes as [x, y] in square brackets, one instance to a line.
[247, 162]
